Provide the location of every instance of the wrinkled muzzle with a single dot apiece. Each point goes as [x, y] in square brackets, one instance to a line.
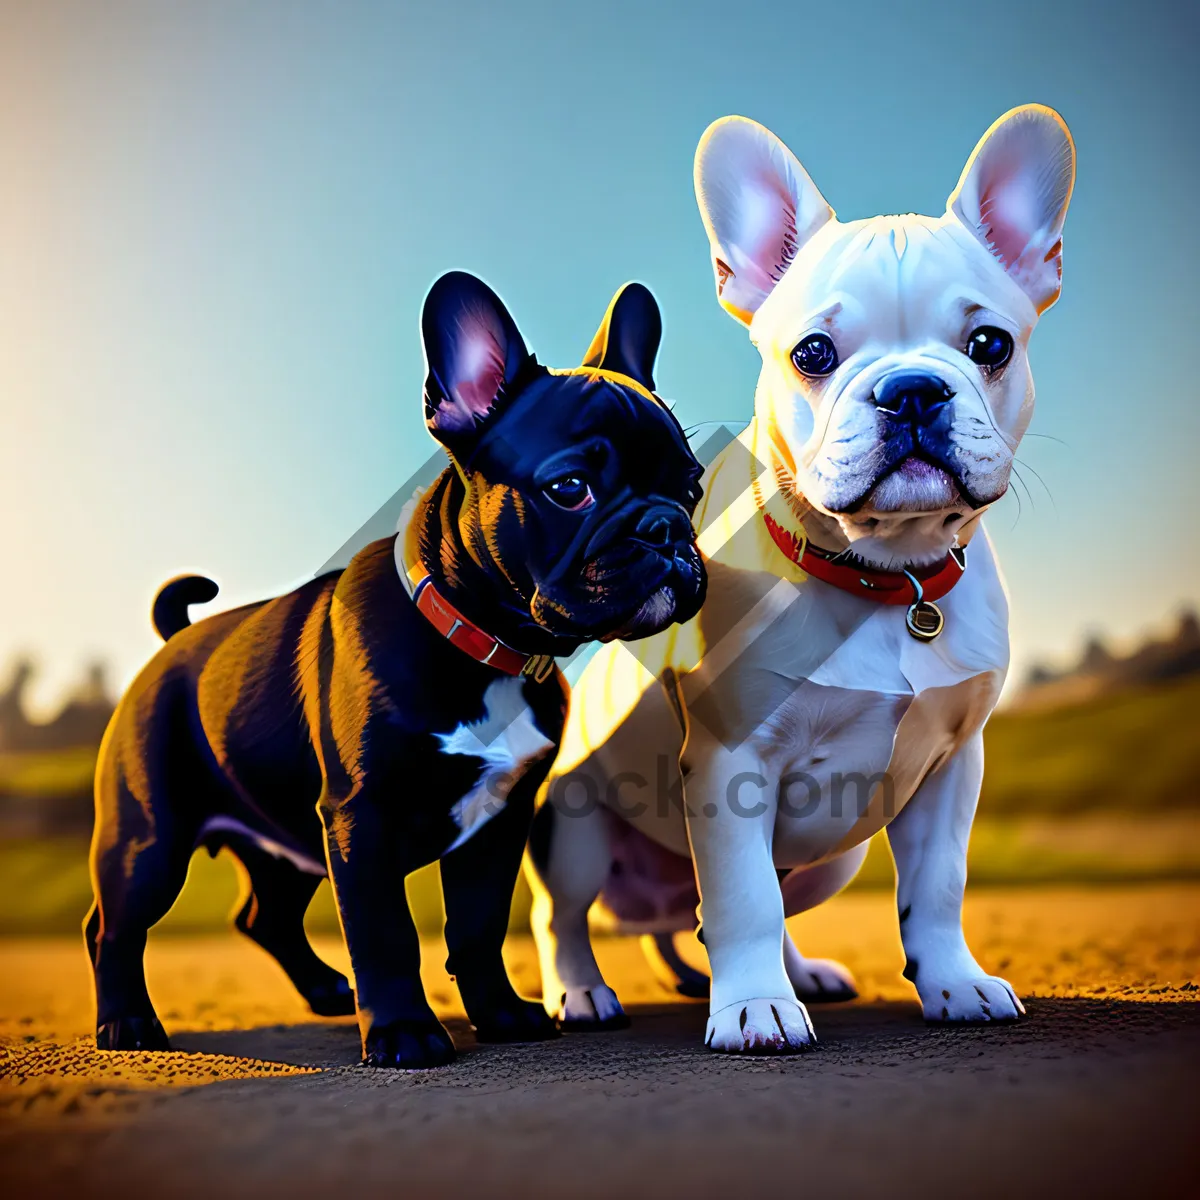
[920, 442]
[639, 572]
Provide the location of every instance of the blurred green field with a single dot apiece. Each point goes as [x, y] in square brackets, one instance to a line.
[1102, 792]
[39, 775]
[1136, 750]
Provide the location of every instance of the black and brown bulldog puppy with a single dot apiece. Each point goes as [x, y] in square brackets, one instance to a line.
[405, 709]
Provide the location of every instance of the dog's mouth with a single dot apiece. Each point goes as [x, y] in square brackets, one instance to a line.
[676, 594]
[656, 613]
[915, 484]
[671, 582]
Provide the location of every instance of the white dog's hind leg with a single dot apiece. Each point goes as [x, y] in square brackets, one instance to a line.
[565, 882]
[671, 969]
[820, 980]
[817, 980]
[929, 842]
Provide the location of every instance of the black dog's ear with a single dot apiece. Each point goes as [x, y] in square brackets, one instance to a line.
[473, 350]
[628, 338]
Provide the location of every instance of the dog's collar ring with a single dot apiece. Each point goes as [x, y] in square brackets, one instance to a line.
[924, 620]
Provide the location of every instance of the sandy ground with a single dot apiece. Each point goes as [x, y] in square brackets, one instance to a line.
[1094, 1094]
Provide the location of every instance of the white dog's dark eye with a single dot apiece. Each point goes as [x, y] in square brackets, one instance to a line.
[990, 347]
[816, 356]
[571, 492]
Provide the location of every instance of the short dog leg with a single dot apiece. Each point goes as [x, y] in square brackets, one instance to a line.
[731, 808]
[398, 1027]
[273, 916]
[477, 883]
[570, 859]
[140, 857]
[929, 842]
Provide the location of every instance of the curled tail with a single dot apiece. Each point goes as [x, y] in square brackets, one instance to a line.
[170, 611]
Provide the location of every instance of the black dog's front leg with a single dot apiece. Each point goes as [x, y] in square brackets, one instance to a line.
[367, 870]
[477, 882]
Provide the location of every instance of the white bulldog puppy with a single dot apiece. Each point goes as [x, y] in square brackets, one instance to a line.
[854, 639]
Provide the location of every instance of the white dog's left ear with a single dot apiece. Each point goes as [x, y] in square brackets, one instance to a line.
[1013, 196]
[759, 207]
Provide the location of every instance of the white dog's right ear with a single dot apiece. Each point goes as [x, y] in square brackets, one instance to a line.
[1013, 197]
[759, 207]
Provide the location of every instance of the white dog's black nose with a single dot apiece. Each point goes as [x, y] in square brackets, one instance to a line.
[912, 396]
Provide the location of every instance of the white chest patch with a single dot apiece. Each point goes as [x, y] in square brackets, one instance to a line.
[508, 742]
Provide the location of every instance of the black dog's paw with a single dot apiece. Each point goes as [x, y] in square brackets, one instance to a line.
[132, 1033]
[523, 1021]
[335, 999]
[408, 1046]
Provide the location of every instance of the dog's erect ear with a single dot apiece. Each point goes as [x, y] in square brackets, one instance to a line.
[629, 336]
[759, 207]
[1013, 196]
[472, 350]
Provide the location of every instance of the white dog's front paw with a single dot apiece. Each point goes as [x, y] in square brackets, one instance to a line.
[587, 1010]
[772, 1026]
[970, 998]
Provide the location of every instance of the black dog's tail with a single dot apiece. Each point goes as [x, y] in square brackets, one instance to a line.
[170, 611]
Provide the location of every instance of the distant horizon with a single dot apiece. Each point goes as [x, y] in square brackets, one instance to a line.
[43, 708]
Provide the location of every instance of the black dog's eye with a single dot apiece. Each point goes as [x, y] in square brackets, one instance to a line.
[816, 356]
[571, 492]
[990, 347]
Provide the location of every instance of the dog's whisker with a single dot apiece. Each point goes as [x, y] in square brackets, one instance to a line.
[1025, 484]
[698, 425]
[1016, 494]
[1019, 482]
[1038, 477]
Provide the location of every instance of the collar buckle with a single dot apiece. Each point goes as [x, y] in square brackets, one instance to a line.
[538, 667]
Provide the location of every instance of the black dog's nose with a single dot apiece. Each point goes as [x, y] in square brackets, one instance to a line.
[661, 527]
[912, 396]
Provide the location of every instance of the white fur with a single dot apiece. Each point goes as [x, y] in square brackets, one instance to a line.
[796, 676]
[508, 742]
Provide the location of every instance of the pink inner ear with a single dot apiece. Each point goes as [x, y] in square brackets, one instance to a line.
[479, 369]
[767, 232]
[476, 371]
[1008, 214]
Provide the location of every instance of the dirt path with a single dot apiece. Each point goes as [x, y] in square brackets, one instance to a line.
[1094, 1094]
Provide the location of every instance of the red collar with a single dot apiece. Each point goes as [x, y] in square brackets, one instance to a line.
[462, 633]
[457, 628]
[917, 589]
[872, 583]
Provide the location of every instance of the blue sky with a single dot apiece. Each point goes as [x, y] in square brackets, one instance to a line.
[221, 218]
